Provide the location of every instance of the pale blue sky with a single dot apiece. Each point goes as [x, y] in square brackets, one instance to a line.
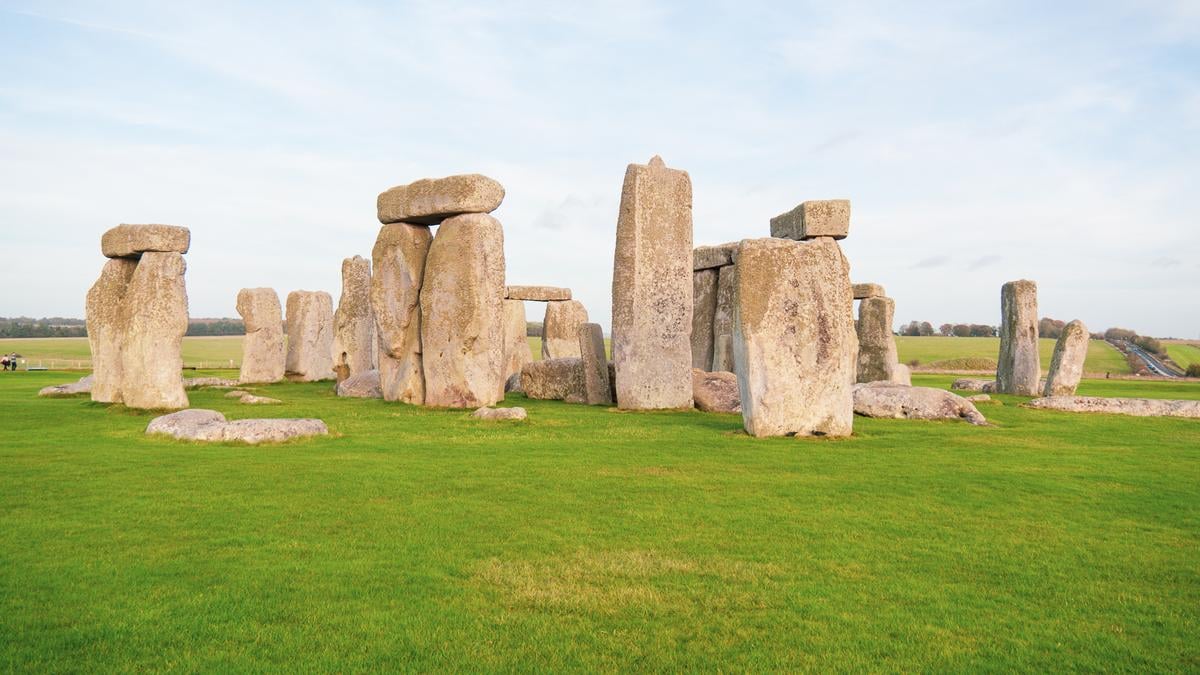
[979, 142]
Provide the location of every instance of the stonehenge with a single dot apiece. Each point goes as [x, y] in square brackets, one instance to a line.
[652, 289]
[516, 344]
[556, 380]
[704, 308]
[398, 262]
[877, 360]
[716, 392]
[197, 424]
[823, 218]
[1066, 366]
[310, 336]
[354, 335]
[1019, 366]
[263, 350]
[560, 328]
[884, 399]
[137, 314]
[596, 385]
[429, 201]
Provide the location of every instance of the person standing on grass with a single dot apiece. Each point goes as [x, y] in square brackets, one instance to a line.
[4, 361]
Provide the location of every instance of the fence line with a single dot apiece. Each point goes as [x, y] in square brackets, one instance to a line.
[86, 364]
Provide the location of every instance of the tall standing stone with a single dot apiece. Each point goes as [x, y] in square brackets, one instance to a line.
[1019, 366]
[652, 289]
[877, 357]
[560, 329]
[462, 313]
[1066, 366]
[597, 389]
[516, 344]
[156, 319]
[310, 336]
[793, 337]
[106, 328]
[263, 347]
[704, 307]
[354, 336]
[722, 360]
[398, 259]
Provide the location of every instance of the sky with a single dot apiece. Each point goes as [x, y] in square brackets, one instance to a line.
[979, 142]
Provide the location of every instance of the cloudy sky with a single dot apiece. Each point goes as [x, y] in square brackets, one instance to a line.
[978, 141]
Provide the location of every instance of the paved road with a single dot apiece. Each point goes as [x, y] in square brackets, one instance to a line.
[1152, 363]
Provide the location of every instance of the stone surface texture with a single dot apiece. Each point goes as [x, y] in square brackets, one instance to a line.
[901, 374]
[596, 385]
[1019, 366]
[398, 264]
[251, 399]
[555, 380]
[716, 392]
[263, 350]
[256, 431]
[972, 384]
[877, 356]
[131, 241]
[537, 293]
[516, 344]
[82, 386]
[310, 336]
[362, 385]
[429, 201]
[709, 257]
[462, 314]
[1137, 407]
[106, 328]
[195, 424]
[884, 399]
[652, 289]
[811, 219]
[1066, 366]
[560, 328]
[704, 308]
[155, 307]
[794, 339]
[722, 330]
[499, 414]
[354, 335]
[867, 291]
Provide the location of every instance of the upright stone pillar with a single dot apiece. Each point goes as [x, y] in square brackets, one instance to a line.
[310, 336]
[516, 344]
[399, 263]
[722, 360]
[354, 335]
[704, 307]
[462, 313]
[1066, 366]
[794, 338]
[1018, 369]
[560, 329]
[156, 319]
[877, 357]
[597, 389]
[652, 289]
[106, 328]
[263, 347]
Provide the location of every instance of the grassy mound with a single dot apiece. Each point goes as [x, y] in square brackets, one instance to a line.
[963, 363]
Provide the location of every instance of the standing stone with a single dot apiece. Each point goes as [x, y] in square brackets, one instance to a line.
[431, 200]
[704, 307]
[156, 318]
[652, 289]
[821, 218]
[516, 344]
[310, 336]
[354, 336]
[398, 260]
[462, 314]
[793, 334]
[131, 241]
[263, 347]
[722, 330]
[1019, 366]
[877, 359]
[555, 380]
[560, 329]
[106, 328]
[597, 389]
[1066, 366]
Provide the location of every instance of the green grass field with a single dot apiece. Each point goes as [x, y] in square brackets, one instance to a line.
[1101, 356]
[587, 539]
[1184, 354]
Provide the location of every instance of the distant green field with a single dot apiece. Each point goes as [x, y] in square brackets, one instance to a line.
[1183, 354]
[1101, 358]
[201, 351]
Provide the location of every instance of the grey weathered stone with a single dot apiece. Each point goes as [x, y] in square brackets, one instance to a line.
[652, 289]
[251, 399]
[82, 386]
[499, 414]
[429, 201]
[709, 257]
[254, 431]
[106, 328]
[867, 291]
[263, 350]
[236, 393]
[560, 328]
[462, 314]
[195, 424]
[131, 241]
[310, 336]
[156, 318]
[811, 219]
[978, 398]
[398, 261]
[884, 399]
[555, 380]
[354, 335]
[1019, 365]
[1137, 407]
[537, 293]
[213, 382]
[716, 392]
[597, 388]
[877, 356]
[704, 307]
[516, 344]
[362, 385]
[1066, 366]
[722, 331]
[901, 374]
[794, 339]
[972, 384]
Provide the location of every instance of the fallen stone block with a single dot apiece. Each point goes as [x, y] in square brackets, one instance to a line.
[195, 424]
[716, 392]
[251, 399]
[1136, 407]
[496, 414]
[208, 382]
[971, 384]
[83, 386]
[887, 400]
[272, 430]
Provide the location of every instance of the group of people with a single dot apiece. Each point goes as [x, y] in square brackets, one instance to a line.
[9, 361]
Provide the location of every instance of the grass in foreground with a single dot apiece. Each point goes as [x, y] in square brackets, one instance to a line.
[589, 539]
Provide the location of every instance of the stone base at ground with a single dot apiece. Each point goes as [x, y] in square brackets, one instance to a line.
[883, 399]
[716, 392]
[209, 425]
[362, 385]
[500, 414]
[1137, 407]
[83, 386]
[555, 380]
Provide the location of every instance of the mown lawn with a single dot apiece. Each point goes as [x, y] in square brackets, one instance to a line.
[588, 539]
[1101, 356]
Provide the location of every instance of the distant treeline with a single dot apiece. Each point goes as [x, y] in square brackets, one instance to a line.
[59, 327]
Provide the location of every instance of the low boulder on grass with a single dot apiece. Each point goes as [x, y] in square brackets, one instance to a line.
[898, 401]
[196, 424]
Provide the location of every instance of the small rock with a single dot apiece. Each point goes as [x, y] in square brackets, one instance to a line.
[251, 399]
[236, 393]
[83, 386]
[969, 384]
[499, 414]
[716, 392]
[194, 424]
[978, 397]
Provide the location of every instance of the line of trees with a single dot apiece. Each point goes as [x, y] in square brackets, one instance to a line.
[59, 327]
[924, 328]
